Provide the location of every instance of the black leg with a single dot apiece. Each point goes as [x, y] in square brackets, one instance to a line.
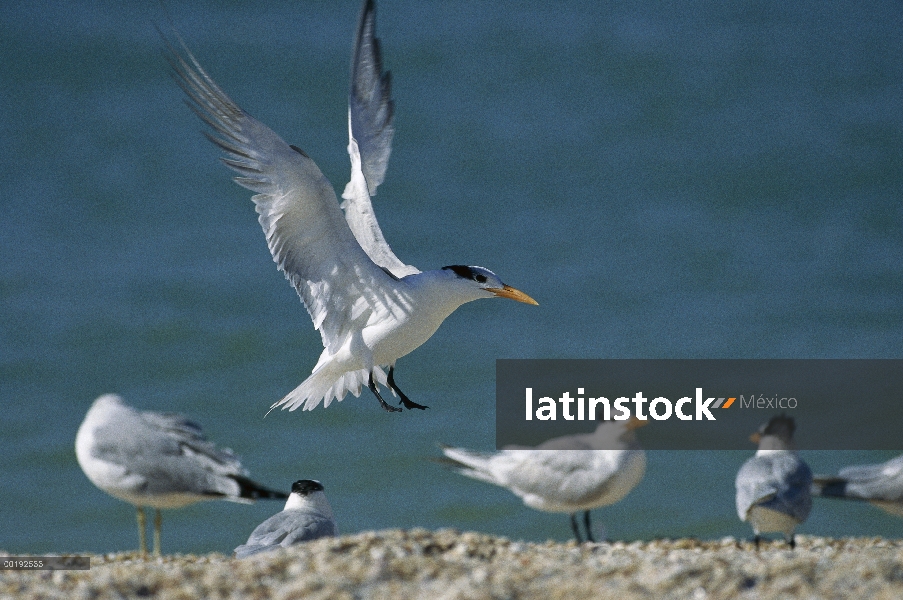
[382, 402]
[589, 530]
[756, 541]
[575, 528]
[408, 404]
[792, 541]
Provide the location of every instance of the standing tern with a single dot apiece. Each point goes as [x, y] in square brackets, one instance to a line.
[306, 516]
[773, 487]
[566, 474]
[881, 485]
[370, 308]
[160, 460]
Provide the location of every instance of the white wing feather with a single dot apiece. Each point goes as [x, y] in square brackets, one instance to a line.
[311, 243]
[370, 131]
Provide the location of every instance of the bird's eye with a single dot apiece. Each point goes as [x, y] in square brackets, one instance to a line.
[480, 278]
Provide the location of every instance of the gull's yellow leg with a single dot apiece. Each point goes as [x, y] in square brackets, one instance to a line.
[142, 536]
[158, 523]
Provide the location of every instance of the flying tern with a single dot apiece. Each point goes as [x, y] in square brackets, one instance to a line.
[370, 308]
[160, 460]
[306, 516]
[566, 474]
[880, 484]
[773, 487]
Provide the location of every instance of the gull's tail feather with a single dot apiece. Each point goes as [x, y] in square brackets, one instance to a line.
[254, 491]
[831, 487]
[467, 462]
[327, 384]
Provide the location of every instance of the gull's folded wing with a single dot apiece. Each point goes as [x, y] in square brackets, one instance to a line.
[782, 481]
[162, 453]
[370, 131]
[299, 213]
[879, 482]
[174, 434]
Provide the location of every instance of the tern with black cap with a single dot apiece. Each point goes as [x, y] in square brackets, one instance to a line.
[306, 516]
[773, 487]
[370, 308]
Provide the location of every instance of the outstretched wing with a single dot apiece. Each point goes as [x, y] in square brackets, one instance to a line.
[299, 213]
[370, 131]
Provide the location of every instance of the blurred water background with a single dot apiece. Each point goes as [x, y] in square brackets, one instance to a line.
[694, 179]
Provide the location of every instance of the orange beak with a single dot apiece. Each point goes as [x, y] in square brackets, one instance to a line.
[634, 423]
[512, 294]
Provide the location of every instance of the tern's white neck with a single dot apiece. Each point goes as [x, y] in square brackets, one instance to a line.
[314, 501]
[773, 443]
[432, 296]
[443, 288]
[774, 451]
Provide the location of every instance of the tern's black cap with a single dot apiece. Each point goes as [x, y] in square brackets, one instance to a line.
[465, 272]
[306, 486]
[780, 425]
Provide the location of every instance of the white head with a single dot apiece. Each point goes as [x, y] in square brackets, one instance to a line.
[307, 494]
[483, 283]
[615, 435]
[107, 401]
[103, 409]
[776, 434]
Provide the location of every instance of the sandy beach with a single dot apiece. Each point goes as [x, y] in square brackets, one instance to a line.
[446, 563]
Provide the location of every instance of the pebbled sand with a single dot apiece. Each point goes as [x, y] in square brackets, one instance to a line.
[450, 564]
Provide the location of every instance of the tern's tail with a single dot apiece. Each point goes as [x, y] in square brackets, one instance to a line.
[327, 383]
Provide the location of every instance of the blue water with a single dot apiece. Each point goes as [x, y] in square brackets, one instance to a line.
[667, 180]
